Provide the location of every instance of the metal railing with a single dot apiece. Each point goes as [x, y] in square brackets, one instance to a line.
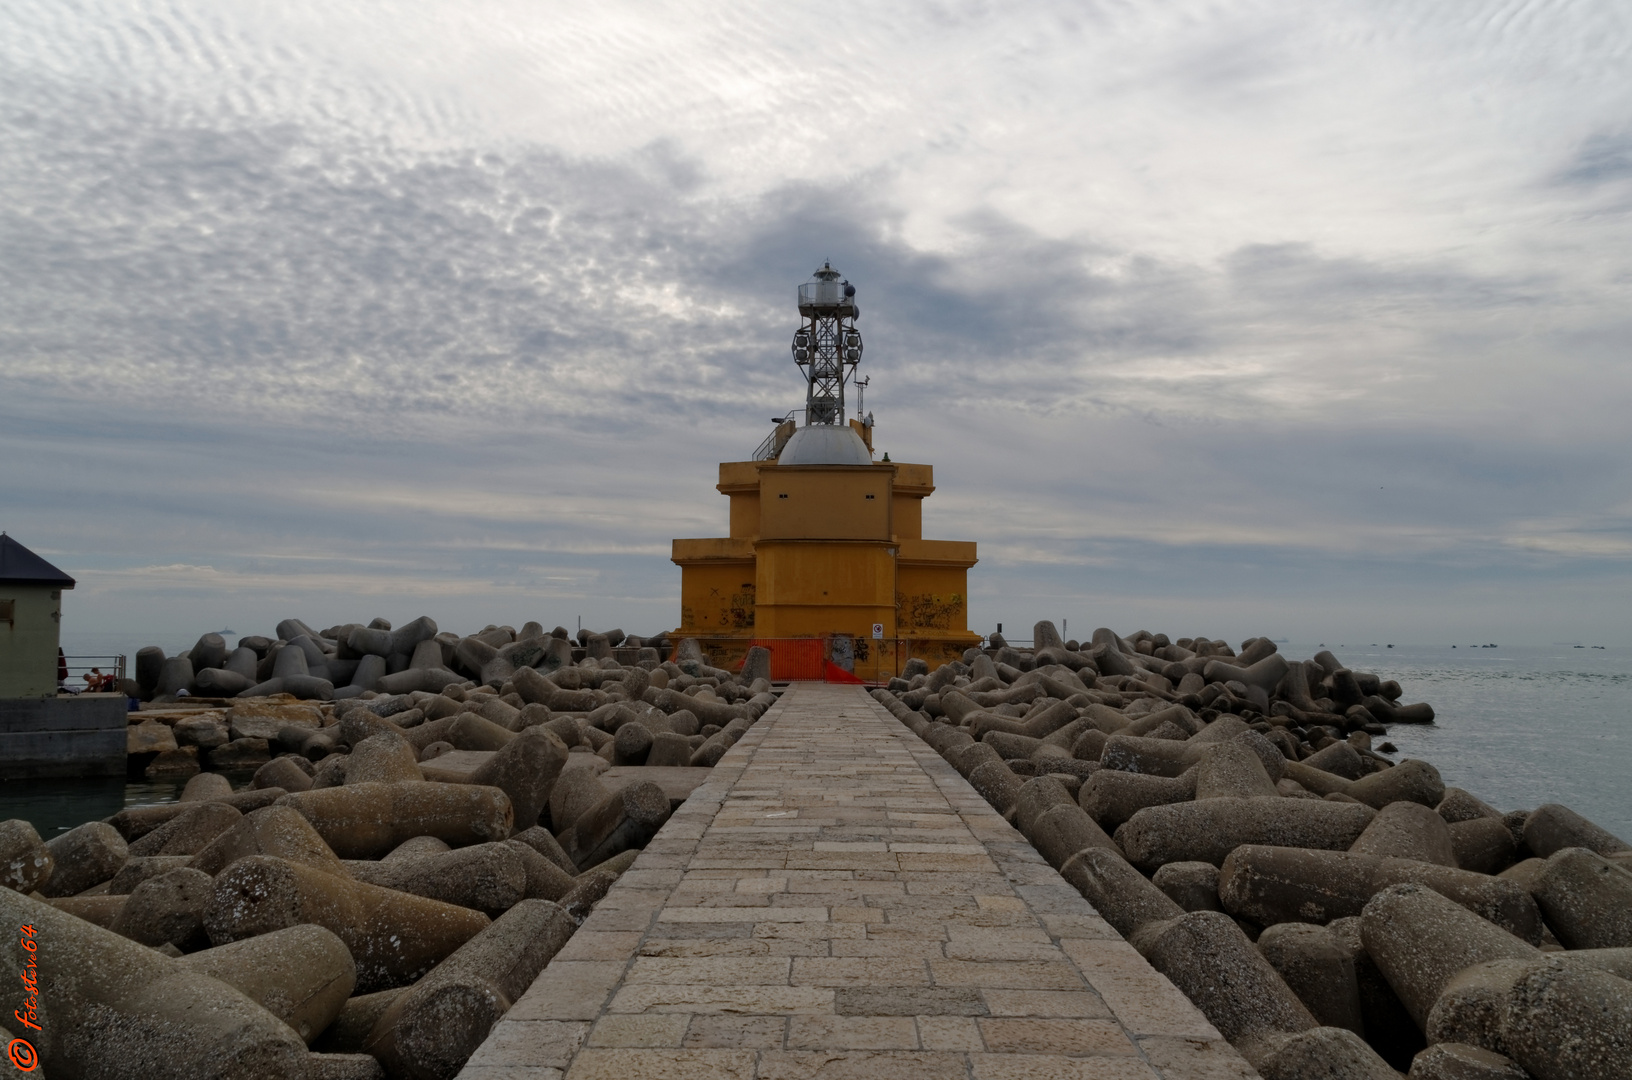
[71, 672]
[772, 446]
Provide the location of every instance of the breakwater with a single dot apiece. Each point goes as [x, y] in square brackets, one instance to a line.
[399, 868]
[1236, 816]
[1334, 912]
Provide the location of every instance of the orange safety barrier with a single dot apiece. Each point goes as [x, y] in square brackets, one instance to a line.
[810, 659]
[797, 659]
[836, 674]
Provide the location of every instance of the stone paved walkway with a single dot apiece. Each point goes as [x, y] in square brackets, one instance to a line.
[836, 901]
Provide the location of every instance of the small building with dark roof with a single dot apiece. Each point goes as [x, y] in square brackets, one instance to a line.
[30, 621]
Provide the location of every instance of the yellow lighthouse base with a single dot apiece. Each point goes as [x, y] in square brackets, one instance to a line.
[826, 563]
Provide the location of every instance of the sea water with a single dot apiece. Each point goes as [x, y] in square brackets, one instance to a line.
[1517, 726]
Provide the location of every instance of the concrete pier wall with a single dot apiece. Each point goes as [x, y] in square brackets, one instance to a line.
[62, 736]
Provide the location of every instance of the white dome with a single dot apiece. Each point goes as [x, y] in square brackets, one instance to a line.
[825, 444]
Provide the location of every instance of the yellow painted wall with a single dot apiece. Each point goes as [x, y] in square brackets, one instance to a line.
[739, 480]
[931, 599]
[716, 584]
[908, 513]
[809, 587]
[825, 502]
[28, 642]
[918, 479]
[825, 559]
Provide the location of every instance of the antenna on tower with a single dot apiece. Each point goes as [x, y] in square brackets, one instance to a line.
[827, 347]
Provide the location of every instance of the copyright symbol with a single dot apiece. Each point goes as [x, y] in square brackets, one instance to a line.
[23, 1055]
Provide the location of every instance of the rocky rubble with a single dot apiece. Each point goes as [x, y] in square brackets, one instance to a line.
[348, 660]
[403, 863]
[1334, 913]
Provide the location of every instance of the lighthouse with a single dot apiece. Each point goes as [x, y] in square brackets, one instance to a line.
[826, 563]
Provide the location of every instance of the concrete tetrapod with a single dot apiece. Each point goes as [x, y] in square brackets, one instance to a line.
[526, 769]
[188, 832]
[383, 758]
[1459, 1061]
[1409, 781]
[393, 936]
[624, 819]
[632, 744]
[349, 1030]
[205, 787]
[1272, 885]
[282, 772]
[1587, 901]
[486, 877]
[997, 784]
[271, 830]
[1208, 831]
[576, 790]
[1553, 827]
[1389, 1027]
[1062, 830]
[1318, 970]
[84, 856]
[364, 821]
[542, 841]
[111, 1008]
[1332, 1053]
[1470, 1008]
[430, 1031]
[415, 848]
[302, 975]
[1121, 894]
[1408, 830]
[136, 822]
[1420, 941]
[1560, 1014]
[1191, 885]
[1205, 954]
[1459, 805]
[1112, 796]
[1483, 845]
[1232, 770]
[167, 908]
[545, 880]
[1037, 796]
[136, 871]
[103, 911]
[589, 886]
[1570, 1023]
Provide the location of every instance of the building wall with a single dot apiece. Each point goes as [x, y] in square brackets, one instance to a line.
[716, 585]
[811, 588]
[816, 502]
[28, 642]
[810, 555]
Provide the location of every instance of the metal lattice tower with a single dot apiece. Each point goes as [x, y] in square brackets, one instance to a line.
[827, 347]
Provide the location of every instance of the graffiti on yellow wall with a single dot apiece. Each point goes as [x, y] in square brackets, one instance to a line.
[930, 611]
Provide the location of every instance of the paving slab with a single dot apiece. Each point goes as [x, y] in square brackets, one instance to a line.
[834, 901]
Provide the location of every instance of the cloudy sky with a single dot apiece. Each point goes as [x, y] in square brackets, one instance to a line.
[1213, 317]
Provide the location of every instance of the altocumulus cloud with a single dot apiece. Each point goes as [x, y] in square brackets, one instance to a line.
[286, 330]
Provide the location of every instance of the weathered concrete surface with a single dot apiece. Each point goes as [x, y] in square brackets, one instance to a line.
[63, 736]
[834, 901]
